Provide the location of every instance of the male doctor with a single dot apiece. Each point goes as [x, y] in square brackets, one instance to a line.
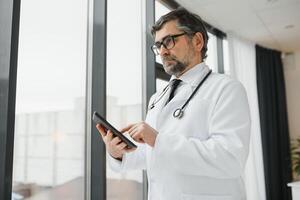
[199, 153]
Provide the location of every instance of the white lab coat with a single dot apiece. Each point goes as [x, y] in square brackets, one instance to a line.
[202, 155]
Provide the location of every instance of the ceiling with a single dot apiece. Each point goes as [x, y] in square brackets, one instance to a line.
[271, 23]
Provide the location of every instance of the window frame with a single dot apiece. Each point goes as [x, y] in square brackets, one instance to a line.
[9, 39]
[95, 163]
[148, 68]
[96, 188]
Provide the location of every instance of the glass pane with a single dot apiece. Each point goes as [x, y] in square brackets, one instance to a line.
[160, 10]
[161, 84]
[49, 149]
[226, 57]
[212, 57]
[124, 86]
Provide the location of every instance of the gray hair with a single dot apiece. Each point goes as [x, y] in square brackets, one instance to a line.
[188, 22]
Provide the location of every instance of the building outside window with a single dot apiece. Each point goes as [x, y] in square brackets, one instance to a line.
[49, 146]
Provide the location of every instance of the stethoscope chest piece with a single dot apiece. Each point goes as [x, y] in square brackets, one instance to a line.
[178, 113]
[151, 106]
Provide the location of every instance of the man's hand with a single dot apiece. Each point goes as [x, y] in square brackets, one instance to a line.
[114, 146]
[141, 132]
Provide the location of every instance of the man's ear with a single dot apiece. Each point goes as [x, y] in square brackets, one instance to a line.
[198, 41]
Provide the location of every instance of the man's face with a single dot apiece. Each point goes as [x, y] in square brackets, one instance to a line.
[177, 59]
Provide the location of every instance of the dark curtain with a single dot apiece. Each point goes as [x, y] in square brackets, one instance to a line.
[274, 123]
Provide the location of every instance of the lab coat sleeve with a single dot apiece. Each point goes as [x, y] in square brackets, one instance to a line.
[223, 154]
[135, 160]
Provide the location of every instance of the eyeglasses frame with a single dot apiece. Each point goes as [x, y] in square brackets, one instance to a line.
[173, 37]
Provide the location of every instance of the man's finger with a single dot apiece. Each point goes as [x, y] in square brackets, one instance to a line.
[132, 132]
[133, 129]
[109, 135]
[128, 150]
[101, 130]
[138, 137]
[121, 146]
[115, 141]
[126, 128]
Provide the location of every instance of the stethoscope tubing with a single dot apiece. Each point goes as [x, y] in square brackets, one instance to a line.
[159, 98]
[178, 113]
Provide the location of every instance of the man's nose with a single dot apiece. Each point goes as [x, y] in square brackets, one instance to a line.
[163, 51]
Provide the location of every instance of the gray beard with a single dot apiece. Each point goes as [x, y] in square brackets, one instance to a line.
[179, 66]
[175, 69]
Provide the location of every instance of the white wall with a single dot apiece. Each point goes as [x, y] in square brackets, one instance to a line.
[292, 83]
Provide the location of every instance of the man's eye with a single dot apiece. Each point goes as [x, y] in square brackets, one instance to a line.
[167, 41]
[158, 44]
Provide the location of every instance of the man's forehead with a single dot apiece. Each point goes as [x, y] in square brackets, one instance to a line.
[169, 28]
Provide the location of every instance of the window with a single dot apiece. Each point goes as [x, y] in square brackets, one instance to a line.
[226, 57]
[124, 86]
[161, 84]
[160, 10]
[212, 56]
[49, 147]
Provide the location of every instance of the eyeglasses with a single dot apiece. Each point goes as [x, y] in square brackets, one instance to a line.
[168, 43]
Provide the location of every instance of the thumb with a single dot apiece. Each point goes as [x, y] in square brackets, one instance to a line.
[101, 130]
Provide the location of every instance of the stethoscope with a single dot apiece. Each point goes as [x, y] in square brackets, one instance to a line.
[178, 113]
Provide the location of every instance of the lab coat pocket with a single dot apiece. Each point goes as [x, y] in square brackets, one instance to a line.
[205, 197]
